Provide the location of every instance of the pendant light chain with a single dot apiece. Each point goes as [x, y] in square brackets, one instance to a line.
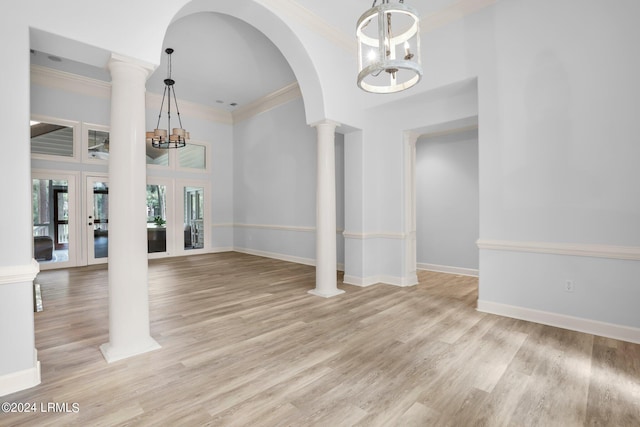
[168, 138]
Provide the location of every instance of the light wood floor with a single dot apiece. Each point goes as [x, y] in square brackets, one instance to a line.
[244, 344]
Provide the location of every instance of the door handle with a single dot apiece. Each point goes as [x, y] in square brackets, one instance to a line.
[90, 223]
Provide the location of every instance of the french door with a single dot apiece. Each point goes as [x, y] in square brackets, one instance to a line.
[97, 219]
[55, 219]
[193, 237]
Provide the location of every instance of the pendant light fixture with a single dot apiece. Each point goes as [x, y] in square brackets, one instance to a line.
[160, 138]
[388, 48]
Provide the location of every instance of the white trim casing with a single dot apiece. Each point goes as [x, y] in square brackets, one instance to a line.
[571, 249]
[21, 380]
[381, 279]
[19, 273]
[378, 235]
[300, 228]
[460, 271]
[594, 327]
[281, 257]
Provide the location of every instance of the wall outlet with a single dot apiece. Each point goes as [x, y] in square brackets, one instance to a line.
[569, 286]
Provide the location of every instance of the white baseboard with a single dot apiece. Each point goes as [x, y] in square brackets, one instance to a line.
[382, 279]
[21, 380]
[363, 282]
[594, 327]
[282, 257]
[460, 271]
[220, 250]
[113, 354]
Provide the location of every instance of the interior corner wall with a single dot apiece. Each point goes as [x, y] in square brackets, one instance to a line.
[275, 185]
[447, 225]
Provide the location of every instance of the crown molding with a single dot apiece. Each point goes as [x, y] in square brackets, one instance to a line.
[313, 22]
[192, 109]
[268, 102]
[572, 249]
[56, 79]
[62, 80]
[347, 42]
[450, 14]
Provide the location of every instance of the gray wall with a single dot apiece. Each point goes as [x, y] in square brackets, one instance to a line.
[447, 224]
[275, 184]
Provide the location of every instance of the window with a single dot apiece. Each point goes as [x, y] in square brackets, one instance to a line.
[156, 218]
[192, 156]
[157, 156]
[53, 138]
[98, 144]
[193, 218]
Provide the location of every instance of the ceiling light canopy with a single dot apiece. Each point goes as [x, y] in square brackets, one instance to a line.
[160, 138]
[388, 48]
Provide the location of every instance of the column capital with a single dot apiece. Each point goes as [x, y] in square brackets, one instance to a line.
[117, 59]
[324, 122]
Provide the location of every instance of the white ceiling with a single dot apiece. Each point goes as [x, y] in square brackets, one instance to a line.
[220, 58]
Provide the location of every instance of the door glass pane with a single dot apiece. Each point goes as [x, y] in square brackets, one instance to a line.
[100, 219]
[157, 156]
[50, 220]
[156, 218]
[51, 139]
[193, 217]
[98, 145]
[192, 156]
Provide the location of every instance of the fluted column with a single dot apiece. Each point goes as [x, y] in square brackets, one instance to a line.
[128, 287]
[326, 263]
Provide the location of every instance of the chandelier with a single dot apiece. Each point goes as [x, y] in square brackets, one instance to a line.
[160, 138]
[388, 55]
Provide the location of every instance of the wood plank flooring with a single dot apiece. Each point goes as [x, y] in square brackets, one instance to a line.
[243, 344]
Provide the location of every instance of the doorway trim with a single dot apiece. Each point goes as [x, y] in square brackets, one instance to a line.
[410, 138]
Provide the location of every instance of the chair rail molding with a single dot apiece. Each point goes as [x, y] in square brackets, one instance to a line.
[571, 249]
[19, 273]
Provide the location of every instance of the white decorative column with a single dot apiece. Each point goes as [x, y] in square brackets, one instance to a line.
[326, 263]
[128, 288]
[409, 147]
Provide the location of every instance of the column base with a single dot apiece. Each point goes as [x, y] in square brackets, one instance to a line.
[325, 294]
[22, 380]
[112, 354]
